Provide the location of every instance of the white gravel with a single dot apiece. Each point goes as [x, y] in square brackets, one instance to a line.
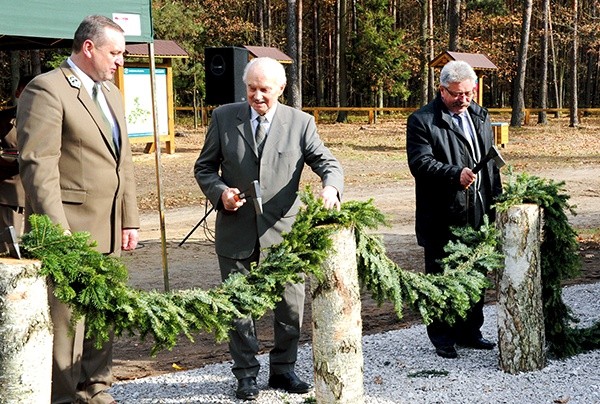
[389, 359]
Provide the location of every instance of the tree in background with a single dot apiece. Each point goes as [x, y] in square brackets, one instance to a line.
[573, 118]
[341, 53]
[385, 67]
[295, 52]
[453, 24]
[378, 59]
[518, 103]
[425, 48]
[543, 116]
[179, 21]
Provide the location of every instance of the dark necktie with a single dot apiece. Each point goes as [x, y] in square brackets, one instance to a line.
[261, 134]
[107, 124]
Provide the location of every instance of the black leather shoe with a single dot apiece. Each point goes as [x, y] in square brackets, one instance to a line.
[247, 389]
[479, 343]
[289, 382]
[448, 352]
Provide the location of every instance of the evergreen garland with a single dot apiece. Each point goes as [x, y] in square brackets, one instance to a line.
[443, 296]
[560, 260]
[95, 285]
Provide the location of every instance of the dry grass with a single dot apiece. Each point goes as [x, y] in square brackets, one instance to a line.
[372, 155]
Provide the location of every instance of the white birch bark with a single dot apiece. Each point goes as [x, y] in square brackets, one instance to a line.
[521, 340]
[337, 326]
[25, 333]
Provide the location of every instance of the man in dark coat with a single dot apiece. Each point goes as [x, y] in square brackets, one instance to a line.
[444, 141]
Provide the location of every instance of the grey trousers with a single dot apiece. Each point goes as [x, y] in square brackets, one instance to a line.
[243, 343]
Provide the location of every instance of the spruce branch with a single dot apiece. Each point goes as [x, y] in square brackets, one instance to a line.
[95, 285]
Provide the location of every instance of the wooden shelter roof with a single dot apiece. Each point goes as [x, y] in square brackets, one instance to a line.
[162, 49]
[265, 51]
[478, 61]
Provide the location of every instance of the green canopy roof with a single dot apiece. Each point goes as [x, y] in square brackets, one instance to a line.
[34, 24]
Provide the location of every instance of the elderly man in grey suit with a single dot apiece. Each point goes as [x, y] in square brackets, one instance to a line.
[76, 167]
[269, 142]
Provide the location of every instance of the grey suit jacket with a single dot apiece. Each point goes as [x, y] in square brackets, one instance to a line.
[229, 159]
[67, 164]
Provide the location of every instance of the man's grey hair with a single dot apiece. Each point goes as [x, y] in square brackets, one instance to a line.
[456, 72]
[273, 68]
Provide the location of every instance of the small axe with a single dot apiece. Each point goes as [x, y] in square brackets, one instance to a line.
[252, 192]
[8, 237]
[492, 154]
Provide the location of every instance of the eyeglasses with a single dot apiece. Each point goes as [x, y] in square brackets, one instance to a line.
[458, 94]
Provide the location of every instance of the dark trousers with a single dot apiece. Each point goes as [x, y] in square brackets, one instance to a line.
[288, 314]
[442, 334]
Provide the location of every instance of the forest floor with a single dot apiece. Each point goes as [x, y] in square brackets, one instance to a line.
[374, 160]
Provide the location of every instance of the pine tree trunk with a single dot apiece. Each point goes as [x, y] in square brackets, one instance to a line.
[295, 98]
[573, 110]
[25, 334]
[337, 326]
[542, 115]
[518, 103]
[454, 25]
[521, 339]
[424, 44]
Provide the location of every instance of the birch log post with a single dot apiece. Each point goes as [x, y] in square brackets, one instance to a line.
[25, 333]
[521, 340]
[337, 326]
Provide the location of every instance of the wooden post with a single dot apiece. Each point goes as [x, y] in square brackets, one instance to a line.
[25, 333]
[521, 340]
[337, 326]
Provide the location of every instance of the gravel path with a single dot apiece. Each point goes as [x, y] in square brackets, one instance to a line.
[389, 361]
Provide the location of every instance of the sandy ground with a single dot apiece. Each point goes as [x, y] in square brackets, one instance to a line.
[372, 158]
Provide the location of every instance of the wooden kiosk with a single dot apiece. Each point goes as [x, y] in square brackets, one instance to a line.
[134, 82]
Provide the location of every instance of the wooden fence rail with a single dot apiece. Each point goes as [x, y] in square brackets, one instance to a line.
[372, 112]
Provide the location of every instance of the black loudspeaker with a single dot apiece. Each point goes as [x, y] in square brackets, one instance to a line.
[224, 68]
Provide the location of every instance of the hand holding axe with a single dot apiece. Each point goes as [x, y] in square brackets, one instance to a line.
[254, 193]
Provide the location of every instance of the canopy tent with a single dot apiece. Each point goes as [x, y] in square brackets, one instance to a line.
[39, 24]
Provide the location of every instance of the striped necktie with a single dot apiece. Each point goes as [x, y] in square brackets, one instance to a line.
[261, 134]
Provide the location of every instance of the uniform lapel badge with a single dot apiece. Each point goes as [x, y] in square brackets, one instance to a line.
[74, 81]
